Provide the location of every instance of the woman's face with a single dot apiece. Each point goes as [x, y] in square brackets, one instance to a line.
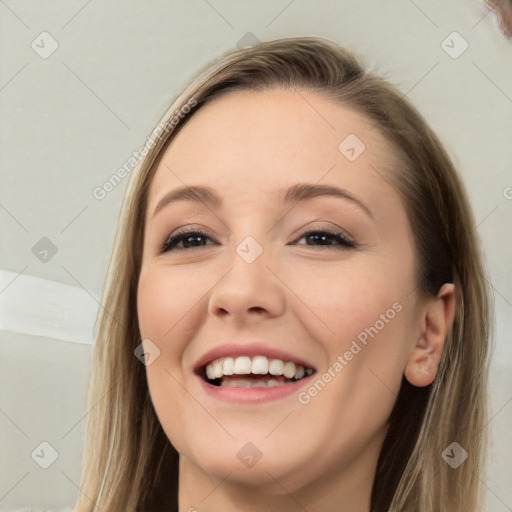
[254, 283]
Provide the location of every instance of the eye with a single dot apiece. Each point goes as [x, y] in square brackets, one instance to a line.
[323, 236]
[195, 239]
[188, 238]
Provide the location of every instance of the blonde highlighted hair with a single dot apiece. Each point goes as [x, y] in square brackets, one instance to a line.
[129, 464]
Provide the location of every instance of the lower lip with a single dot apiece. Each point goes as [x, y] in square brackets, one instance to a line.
[254, 395]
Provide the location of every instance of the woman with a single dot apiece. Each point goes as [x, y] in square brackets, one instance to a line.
[297, 266]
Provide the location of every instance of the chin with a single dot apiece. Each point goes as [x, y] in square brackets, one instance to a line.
[258, 463]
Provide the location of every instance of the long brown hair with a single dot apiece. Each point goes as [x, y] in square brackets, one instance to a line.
[130, 465]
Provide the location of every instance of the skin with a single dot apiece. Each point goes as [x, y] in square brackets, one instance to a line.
[311, 300]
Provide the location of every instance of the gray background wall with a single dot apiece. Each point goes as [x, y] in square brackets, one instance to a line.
[71, 118]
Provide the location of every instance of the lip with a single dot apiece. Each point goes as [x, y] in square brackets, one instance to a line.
[248, 349]
[253, 395]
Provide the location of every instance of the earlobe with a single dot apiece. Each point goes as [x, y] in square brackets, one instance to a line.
[435, 321]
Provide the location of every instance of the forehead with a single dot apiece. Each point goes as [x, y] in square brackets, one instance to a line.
[248, 144]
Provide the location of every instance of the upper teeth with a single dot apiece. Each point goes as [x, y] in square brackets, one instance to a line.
[258, 365]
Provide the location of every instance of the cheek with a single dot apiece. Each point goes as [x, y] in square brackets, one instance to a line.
[160, 306]
[364, 316]
[161, 309]
[343, 302]
[364, 324]
[164, 302]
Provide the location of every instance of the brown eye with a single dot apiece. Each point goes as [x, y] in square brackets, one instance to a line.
[325, 237]
[188, 239]
[191, 240]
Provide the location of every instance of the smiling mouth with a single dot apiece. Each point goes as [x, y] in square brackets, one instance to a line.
[250, 372]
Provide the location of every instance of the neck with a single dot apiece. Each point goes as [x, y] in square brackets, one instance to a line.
[345, 487]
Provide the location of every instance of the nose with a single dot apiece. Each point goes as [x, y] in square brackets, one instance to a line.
[248, 289]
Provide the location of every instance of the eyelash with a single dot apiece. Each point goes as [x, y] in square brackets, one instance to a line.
[344, 242]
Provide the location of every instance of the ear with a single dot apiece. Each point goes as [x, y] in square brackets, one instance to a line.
[436, 318]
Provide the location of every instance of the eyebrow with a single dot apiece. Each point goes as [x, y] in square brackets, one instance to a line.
[295, 193]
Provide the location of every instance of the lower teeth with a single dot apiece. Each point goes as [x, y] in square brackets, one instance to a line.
[247, 382]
